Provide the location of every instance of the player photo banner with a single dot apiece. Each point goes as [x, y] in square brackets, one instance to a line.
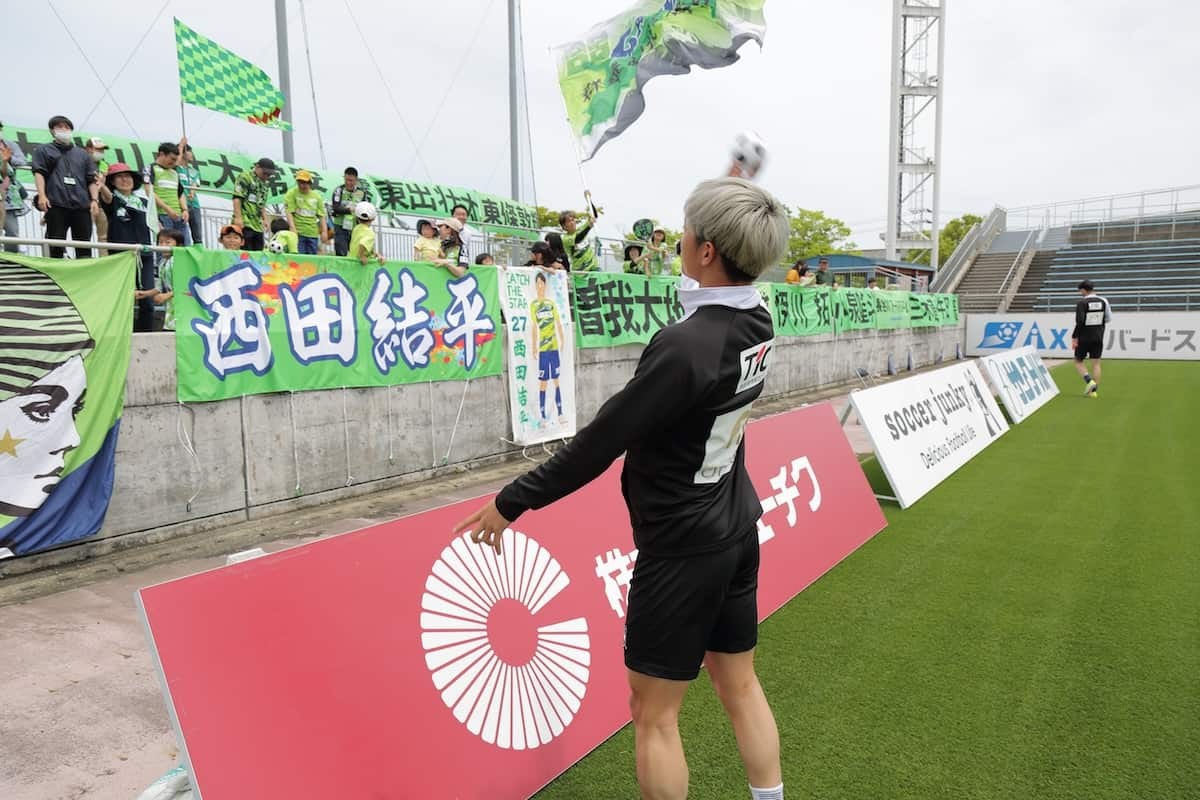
[925, 427]
[250, 323]
[1021, 381]
[453, 671]
[65, 331]
[540, 346]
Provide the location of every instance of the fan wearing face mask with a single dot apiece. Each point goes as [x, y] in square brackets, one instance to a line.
[67, 187]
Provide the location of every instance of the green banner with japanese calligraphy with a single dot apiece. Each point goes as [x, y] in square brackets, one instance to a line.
[256, 323]
[219, 169]
[613, 309]
[891, 310]
[797, 311]
[853, 309]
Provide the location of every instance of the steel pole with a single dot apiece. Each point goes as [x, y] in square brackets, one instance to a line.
[285, 77]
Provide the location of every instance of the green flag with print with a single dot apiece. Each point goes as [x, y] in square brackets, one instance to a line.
[602, 72]
[215, 78]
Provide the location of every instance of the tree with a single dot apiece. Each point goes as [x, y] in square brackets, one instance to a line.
[949, 237]
[547, 218]
[812, 233]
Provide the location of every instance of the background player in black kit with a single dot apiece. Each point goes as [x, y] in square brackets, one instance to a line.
[680, 419]
[1092, 313]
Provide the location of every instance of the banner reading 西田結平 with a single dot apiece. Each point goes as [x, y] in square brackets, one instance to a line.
[65, 332]
[540, 345]
[249, 323]
[614, 309]
[219, 169]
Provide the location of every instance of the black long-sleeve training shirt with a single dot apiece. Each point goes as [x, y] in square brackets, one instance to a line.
[1092, 313]
[680, 420]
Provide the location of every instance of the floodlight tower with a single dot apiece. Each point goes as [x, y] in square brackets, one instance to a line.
[918, 34]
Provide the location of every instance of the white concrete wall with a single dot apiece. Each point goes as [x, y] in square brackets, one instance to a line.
[251, 453]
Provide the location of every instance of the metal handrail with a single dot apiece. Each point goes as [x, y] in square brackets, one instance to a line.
[1017, 260]
[966, 250]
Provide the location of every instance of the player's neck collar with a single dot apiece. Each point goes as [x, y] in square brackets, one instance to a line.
[694, 297]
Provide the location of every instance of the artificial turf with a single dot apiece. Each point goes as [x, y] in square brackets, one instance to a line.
[1030, 629]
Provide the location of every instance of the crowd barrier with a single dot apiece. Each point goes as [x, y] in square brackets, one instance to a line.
[427, 652]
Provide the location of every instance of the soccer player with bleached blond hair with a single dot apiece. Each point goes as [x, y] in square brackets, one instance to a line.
[680, 420]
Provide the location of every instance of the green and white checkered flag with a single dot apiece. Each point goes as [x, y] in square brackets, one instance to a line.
[215, 78]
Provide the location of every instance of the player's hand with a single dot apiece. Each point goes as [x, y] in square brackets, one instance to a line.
[486, 526]
[1074, 344]
[43, 203]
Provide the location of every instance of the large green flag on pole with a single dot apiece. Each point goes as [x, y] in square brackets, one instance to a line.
[215, 78]
[602, 72]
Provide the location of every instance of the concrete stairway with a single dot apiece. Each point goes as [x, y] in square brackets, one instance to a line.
[1032, 283]
[978, 291]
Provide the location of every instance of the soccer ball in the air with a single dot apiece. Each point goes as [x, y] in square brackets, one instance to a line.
[749, 153]
[275, 246]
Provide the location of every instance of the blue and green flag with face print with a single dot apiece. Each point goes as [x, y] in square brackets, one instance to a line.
[65, 336]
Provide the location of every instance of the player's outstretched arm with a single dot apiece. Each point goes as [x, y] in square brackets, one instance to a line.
[648, 401]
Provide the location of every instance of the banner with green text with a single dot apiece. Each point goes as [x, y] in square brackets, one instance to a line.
[219, 169]
[251, 323]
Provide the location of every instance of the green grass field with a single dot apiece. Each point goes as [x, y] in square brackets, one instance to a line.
[1030, 629]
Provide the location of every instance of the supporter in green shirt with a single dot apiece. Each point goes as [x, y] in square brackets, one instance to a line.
[283, 238]
[583, 258]
[657, 257]
[189, 179]
[306, 213]
[249, 202]
[168, 192]
[635, 262]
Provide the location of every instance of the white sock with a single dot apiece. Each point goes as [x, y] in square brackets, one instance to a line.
[767, 794]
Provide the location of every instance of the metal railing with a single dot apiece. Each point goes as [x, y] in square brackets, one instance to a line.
[1006, 289]
[977, 238]
[1155, 202]
[1121, 300]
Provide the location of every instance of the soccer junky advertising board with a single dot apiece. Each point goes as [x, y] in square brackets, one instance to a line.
[925, 427]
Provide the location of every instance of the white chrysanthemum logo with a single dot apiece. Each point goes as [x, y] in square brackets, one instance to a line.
[512, 682]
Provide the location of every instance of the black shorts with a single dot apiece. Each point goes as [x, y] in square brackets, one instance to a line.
[680, 608]
[1089, 348]
[252, 240]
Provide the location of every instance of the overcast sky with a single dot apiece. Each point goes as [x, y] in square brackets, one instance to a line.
[1045, 99]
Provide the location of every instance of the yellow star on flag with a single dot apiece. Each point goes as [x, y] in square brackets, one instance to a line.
[8, 444]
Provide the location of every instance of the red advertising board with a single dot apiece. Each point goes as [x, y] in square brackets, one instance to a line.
[402, 662]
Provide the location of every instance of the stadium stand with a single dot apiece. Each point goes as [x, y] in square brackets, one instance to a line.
[1145, 262]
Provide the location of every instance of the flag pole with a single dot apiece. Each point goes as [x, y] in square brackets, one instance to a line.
[182, 119]
[285, 77]
[514, 129]
[576, 148]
